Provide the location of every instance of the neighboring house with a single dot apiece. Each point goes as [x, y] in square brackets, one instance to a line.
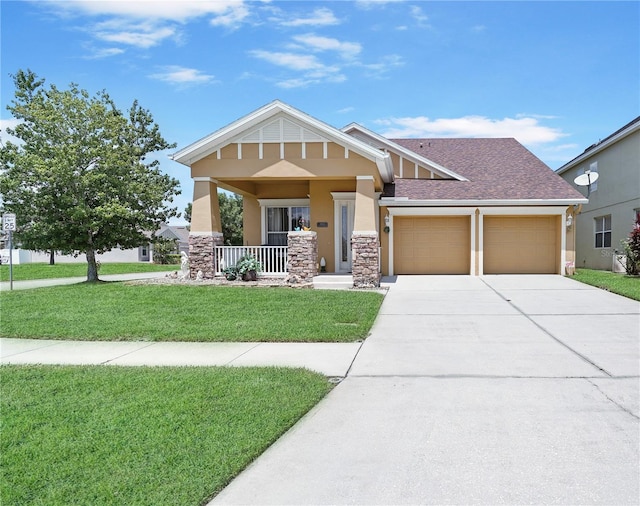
[143, 253]
[614, 199]
[381, 206]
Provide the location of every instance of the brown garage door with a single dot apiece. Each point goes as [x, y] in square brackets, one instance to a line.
[521, 244]
[431, 245]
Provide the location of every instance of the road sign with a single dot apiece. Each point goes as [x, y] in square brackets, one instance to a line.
[9, 222]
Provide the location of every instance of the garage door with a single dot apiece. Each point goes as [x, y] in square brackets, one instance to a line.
[521, 245]
[432, 245]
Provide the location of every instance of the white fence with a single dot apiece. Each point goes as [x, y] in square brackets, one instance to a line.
[272, 258]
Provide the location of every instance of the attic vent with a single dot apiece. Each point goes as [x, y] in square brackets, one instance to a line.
[252, 137]
[271, 132]
[291, 131]
[282, 130]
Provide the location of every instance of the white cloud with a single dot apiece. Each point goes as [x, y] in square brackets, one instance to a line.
[317, 43]
[174, 74]
[174, 10]
[526, 130]
[420, 17]
[293, 61]
[383, 66]
[144, 35]
[370, 4]
[97, 54]
[319, 17]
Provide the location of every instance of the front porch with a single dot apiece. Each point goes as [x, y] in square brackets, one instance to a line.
[298, 261]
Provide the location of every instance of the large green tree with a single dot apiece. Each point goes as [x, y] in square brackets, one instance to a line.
[230, 215]
[80, 180]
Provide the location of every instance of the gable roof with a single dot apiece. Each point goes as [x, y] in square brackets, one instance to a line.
[298, 126]
[616, 136]
[380, 142]
[496, 170]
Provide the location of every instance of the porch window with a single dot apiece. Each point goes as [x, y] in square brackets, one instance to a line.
[282, 220]
[603, 232]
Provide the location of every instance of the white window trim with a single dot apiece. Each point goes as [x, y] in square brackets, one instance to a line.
[266, 203]
[603, 231]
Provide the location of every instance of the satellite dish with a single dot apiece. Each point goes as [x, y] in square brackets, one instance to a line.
[586, 179]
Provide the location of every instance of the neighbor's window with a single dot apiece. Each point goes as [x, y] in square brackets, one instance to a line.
[282, 220]
[603, 232]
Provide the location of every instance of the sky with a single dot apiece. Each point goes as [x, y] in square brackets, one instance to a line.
[556, 75]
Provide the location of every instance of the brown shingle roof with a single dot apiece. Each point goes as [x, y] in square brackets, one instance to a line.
[497, 169]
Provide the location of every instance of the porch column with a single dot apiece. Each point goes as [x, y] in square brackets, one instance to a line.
[302, 258]
[365, 244]
[206, 228]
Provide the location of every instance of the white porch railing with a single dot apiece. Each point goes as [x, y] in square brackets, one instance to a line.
[272, 258]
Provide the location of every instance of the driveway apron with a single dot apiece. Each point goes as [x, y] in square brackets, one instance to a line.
[492, 390]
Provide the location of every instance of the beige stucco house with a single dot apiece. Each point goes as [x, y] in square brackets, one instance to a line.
[373, 206]
[614, 199]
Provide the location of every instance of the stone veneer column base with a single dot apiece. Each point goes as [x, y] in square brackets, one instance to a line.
[202, 256]
[302, 258]
[365, 265]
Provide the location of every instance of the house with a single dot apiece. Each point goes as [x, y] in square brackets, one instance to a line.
[143, 253]
[614, 198]
[377, 206]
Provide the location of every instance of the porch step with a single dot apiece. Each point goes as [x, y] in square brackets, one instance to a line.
[333, 281]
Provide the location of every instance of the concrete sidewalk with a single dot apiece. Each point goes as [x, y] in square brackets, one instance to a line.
[330, 359]
[494, 390]
[41, 283]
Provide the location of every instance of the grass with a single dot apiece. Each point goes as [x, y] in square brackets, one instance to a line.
[127, 312]
[628, 286]
[24, 272]
[107, 435]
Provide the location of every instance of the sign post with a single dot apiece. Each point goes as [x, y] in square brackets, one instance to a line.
[9, 226]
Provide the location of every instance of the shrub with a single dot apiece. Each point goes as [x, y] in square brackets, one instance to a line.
[632, 250]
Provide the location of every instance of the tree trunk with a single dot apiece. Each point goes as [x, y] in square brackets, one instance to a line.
[52, 257]
[92, 266]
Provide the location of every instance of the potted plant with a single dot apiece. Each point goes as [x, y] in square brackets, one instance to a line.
[248, 267]
[230, 273]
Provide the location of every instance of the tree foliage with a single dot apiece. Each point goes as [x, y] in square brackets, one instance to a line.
[230, 215]
[79, 180]
[632, 250]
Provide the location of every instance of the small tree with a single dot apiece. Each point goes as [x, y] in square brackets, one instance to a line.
[632, 250]
[165, 250]
[230, 215]
[79, 181]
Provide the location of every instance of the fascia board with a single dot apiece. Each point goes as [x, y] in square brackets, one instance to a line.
[391, 201]
[406, 153]
[223, 136]
[603, 145]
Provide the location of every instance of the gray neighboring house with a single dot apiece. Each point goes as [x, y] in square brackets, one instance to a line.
[143, 253]
[614, 199]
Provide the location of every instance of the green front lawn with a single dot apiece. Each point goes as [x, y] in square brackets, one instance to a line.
[140, 436]
[621, 284]
[25, 272]
[127, 312]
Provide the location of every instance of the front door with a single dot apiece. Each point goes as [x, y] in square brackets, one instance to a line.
[344, 230]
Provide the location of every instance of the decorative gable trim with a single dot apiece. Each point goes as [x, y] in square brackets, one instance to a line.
[373, 139]
[276, 122]
[281, 130]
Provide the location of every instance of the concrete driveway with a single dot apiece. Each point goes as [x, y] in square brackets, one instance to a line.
[493, 390]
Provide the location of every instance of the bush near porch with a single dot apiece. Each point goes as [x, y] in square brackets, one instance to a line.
[130, 312]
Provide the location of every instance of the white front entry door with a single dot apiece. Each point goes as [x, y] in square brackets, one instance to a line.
[344, 229]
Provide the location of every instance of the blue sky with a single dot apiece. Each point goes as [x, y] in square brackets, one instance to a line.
[557, 76]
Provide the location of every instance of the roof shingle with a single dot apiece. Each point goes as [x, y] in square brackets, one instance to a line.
[497, 169]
